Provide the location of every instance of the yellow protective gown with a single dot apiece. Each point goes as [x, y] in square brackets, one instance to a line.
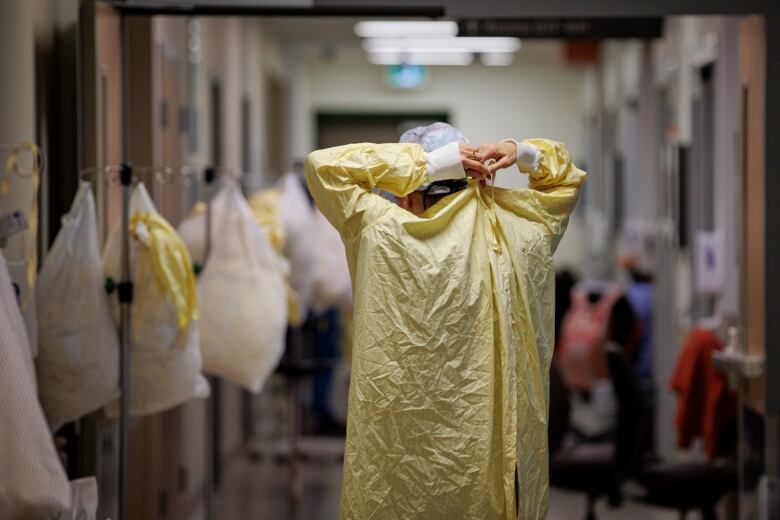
[453, 334]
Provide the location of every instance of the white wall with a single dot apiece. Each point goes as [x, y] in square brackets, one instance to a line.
[639, 75]
[538, 96]
[242, 53]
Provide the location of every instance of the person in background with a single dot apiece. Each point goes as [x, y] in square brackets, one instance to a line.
[324, 332]
[560, 395]
[453, 321]
[580, 355]
[565, 281]
[640, 296]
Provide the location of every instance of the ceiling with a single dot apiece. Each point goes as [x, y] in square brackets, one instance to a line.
[334, 32]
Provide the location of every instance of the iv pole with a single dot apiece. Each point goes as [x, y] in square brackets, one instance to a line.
[209, 175]
[125, 286]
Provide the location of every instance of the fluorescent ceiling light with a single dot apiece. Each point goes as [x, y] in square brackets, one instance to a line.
[421, 58]
[497, 59]
[470, 44]
[392, 29]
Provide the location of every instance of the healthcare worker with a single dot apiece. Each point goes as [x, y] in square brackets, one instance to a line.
[453, 321]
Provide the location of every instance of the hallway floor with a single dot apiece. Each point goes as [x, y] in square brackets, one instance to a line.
[259, 491]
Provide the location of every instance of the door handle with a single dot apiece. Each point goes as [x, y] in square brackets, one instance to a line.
[735, 363]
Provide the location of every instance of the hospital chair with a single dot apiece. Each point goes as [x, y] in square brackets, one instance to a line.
[619, 469]
[600, 469]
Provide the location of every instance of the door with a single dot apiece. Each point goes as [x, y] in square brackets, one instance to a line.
[276, 92]
[151, 138]
[701, 214]
[753, 422]
[334, 129]
[101, 110]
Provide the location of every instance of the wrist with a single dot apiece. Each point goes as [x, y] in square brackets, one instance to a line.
[528, 155]
[445, 163]
[509, 148]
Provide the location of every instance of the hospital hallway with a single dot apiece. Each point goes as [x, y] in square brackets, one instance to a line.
[389, 260]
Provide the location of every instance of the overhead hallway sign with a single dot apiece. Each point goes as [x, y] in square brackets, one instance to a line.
[364, 8]
[223, 4]
[564, 28]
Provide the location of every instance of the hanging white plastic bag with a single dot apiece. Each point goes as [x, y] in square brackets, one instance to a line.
[78, 357]
[243, 296]
[166, 361]
[332, 284]
[192, 231]
[298, 217]
[33, 483]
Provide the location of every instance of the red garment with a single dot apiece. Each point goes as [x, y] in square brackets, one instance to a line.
[705, 404]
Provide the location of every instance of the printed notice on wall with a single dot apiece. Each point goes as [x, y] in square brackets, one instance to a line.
[709, 266]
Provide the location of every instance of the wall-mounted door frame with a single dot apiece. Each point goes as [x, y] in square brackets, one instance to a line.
[324, 117]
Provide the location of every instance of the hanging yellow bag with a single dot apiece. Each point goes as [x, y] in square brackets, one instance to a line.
[166, 361]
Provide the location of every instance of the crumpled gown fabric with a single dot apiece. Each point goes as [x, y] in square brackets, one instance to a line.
[453, 334]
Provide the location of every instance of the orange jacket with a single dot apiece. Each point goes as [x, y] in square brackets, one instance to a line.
[705, 404]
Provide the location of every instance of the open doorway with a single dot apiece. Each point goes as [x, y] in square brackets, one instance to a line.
[335, 129]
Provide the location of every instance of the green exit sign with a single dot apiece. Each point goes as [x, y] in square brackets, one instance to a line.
[406, 76]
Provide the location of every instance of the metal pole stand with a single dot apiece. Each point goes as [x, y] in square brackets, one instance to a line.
[212, 444]
[296, 470]
[125, 293]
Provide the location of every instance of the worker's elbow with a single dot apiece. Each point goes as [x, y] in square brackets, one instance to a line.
[310, 162]
[314, 162]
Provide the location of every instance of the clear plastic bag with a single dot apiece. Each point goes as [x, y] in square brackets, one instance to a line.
[78, 356]
[192, 231]
[33, 483]
[265, 208]
[297, 214]
[242, 294]
[332, 284]
[166, 361]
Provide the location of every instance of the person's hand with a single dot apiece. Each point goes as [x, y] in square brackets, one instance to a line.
[472, 165]
[504, 154]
